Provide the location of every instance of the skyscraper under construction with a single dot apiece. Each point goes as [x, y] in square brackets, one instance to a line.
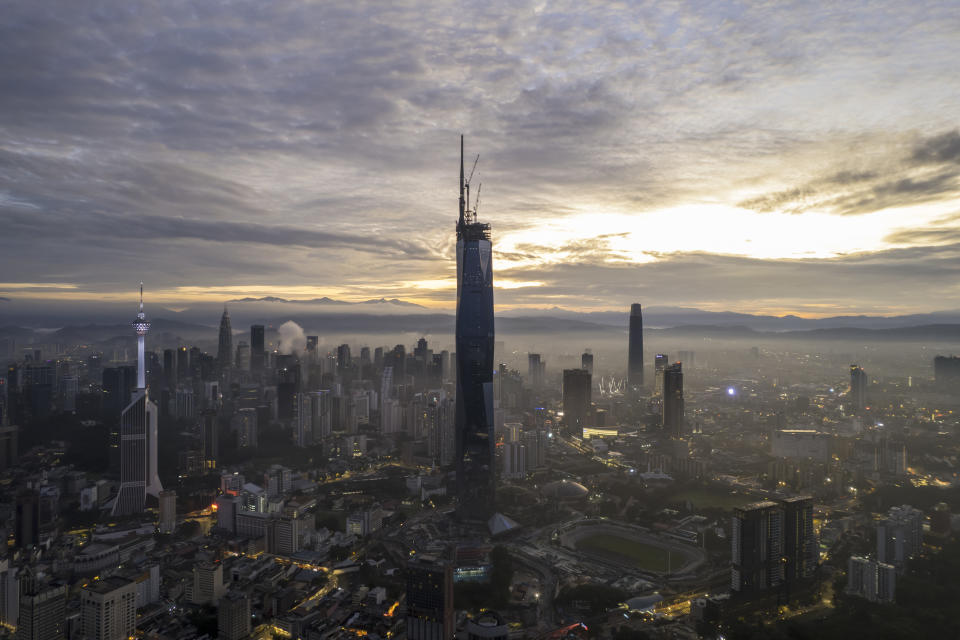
[474, 340]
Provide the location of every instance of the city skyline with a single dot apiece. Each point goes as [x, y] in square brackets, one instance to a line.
[796, 160]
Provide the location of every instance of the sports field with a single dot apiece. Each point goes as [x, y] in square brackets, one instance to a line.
[640, 555]
[715, 498]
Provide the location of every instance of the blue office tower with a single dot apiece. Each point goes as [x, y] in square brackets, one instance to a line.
[474, 418]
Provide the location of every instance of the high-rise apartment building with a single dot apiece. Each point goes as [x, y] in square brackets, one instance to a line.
[536, 369]
[900, 535]
[474, 460]
[946, 372]
[207, 583]
[635, 348]
[757, 545]
[233, 616]
[577, 387]
[26, 522]
[42, 609]
[108, 609]
[586, 362]
[430, 614]
[168, 511]
[660, 363]
[858, 389]
[800, 550]
[257, 348]
[870, 579]
[774, 545]
[672, 411]
[514, 461]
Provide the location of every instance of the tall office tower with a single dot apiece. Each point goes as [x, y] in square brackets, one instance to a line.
[209, 438]
[118, 385]
[138, 437]
[168, 511]
[344, 360]
[672, 412]
[800, 551]
[475, 471]
[660, 362]
[170, 368]
[430, 614]
[576, 399]
[43, 609]
[535, 370]
[946, 372]
[233, 616]
[312, 342]
[257, 352]
[635, 348]
[586, 362]
[288, 385]
[26, 523]
[9, 438]
[183, 363]
[243, 356]
[757, 545]
[858, 388]
[225, 348]
[397, 358]
[108, 609]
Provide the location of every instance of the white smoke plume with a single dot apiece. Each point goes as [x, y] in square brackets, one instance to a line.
[292, 338]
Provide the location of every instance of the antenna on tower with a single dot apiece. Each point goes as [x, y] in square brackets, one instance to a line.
[462, 202]
[141, 296]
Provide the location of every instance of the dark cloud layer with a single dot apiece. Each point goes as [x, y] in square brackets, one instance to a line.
[314, 143]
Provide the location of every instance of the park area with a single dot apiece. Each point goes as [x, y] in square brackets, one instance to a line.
[641, 555]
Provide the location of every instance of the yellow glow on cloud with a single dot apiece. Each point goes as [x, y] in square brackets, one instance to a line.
[712, 228]
[36, 285]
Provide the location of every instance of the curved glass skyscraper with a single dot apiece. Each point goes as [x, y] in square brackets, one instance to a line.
[474, 417]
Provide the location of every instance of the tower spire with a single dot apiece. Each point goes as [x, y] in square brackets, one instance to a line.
[141, 296]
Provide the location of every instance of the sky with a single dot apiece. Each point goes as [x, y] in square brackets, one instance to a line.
[755, 157]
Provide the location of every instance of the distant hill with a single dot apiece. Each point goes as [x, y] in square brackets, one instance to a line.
[330, 301]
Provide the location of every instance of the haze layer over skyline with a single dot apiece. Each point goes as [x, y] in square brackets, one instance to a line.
[776, 159]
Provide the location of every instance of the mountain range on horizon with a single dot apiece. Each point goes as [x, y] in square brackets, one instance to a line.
[269, 309]
[664, 321]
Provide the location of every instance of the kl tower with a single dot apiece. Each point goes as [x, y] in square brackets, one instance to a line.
[138, 435]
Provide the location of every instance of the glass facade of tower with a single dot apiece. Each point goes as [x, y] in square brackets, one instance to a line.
[474, 340]
[635, 348]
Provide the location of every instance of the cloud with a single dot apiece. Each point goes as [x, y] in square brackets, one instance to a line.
[315, 142]
[939, 149]
[928, 171]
